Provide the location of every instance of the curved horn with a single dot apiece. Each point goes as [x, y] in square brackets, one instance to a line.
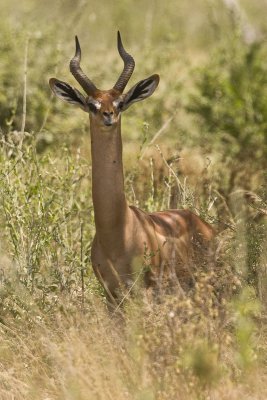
[78, 73]
[128, 67]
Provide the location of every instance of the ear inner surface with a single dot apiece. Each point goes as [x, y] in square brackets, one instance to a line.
[67, 93]
[141, 91]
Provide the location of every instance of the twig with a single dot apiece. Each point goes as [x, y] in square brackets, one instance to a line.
[225, 205]
[128, 292]
[24, 109]
[47, 113]
[178, 182]
[157, 134]
[82, 266]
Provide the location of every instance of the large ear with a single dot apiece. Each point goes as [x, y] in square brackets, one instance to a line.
[67, 93]
[140, 91]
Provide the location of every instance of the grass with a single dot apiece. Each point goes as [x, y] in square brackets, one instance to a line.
[198, 143]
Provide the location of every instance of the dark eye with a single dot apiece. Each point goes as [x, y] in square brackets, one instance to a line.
[120, 105]
[92, 107]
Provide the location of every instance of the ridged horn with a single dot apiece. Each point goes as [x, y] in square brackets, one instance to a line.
[128, 67]
[78, 73]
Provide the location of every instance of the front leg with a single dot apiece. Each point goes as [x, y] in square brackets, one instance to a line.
[105, 273]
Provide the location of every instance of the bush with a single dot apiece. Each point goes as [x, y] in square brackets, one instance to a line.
[231, 100]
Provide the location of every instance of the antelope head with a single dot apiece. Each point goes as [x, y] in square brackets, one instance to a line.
[104, 106]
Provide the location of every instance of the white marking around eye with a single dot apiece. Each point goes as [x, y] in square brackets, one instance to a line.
[97, 105]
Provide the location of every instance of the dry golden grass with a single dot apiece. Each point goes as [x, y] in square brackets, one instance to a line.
[183, 347]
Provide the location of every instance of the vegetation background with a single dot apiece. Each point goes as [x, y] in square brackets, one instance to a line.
[200, 142]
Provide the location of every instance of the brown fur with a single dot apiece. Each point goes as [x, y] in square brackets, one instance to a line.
[128, 240]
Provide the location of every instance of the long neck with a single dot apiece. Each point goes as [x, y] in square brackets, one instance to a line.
[107, 181]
